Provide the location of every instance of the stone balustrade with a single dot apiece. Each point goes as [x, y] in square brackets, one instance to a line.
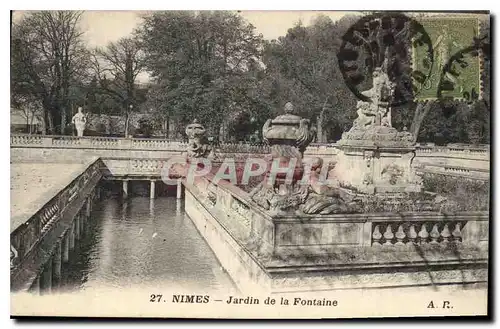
[467, 151]
[418, 233]
[455, 159]
[21, 140]
[36, 229]
[430, 229]
[454, 171]
[95, 142]
[243, 148]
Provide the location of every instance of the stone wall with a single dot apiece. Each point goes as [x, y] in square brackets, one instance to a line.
[310, 253]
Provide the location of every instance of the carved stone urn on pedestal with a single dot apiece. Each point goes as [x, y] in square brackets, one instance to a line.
[289, 192]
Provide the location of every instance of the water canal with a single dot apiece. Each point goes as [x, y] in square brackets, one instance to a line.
[138, 242]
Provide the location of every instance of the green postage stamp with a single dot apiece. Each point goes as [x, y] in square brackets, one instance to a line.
[455, 64]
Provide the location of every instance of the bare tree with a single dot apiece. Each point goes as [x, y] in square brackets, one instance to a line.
[116, 68]
[47, 57]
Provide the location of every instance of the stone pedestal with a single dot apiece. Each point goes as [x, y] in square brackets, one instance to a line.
[125, 188]
[77, 227]
[179, 188]
[152, 189]
[65, 247]
[373, 169]
[376, 159]
[46, 279]
[56, 265]
[71, 234]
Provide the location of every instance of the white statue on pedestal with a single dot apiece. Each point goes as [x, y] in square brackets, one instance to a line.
[380, 92]
[79, 120]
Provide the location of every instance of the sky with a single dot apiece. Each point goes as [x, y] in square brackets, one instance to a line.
[104, 26]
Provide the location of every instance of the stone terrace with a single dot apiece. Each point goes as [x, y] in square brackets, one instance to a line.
[32, 185]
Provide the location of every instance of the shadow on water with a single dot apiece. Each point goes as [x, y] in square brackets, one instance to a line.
[139, 241]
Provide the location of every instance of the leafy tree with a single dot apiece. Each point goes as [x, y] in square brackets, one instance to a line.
[47, 58]
[201, 63]
[303, 69]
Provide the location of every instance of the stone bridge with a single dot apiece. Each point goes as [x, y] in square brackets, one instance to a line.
[454, 159]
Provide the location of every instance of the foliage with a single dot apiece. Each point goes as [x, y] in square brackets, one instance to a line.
[470, 194]
[205, 64]
[48, 57]
[301, 67]
[458, 123]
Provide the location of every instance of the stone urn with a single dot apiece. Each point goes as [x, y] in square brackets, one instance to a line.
[288, 135]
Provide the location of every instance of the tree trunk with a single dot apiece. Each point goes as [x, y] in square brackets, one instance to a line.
[222, 132]
[63, 120]
[49, 123]
[127, 120]
[167, 128]
[419, 116]
[31, 123]
[320, 134]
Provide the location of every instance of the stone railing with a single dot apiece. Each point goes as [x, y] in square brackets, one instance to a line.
[455, 171]
[95, 142]
[120, 167]
[454, 150]
[243, 148]
[423, 229]
[454, 159]
[321, 150]
[27, 232]
[22, 140]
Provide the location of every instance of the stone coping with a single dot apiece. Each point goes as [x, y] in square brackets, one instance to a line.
[32, 208]
[376, 145]
[455, 167]
[241, 195]
[387, 217]
[380, 257]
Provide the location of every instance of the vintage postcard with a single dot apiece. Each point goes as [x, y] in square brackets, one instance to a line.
[250, 164]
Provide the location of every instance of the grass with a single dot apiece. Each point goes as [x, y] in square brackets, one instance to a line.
[470, 194]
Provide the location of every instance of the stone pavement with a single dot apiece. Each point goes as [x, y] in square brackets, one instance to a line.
[32, 185]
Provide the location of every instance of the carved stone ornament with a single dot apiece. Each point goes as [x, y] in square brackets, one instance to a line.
[289, 135]
[373, 126]
[198, 146]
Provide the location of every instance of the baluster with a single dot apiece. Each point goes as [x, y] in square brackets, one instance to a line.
[434, 234]
[400, 235]
[376, 236]
[445, 233]
[388, 235]
[412, 234]
[423, 234]
[457, 232]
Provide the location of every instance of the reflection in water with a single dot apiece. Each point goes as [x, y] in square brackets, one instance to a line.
[143, 242]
